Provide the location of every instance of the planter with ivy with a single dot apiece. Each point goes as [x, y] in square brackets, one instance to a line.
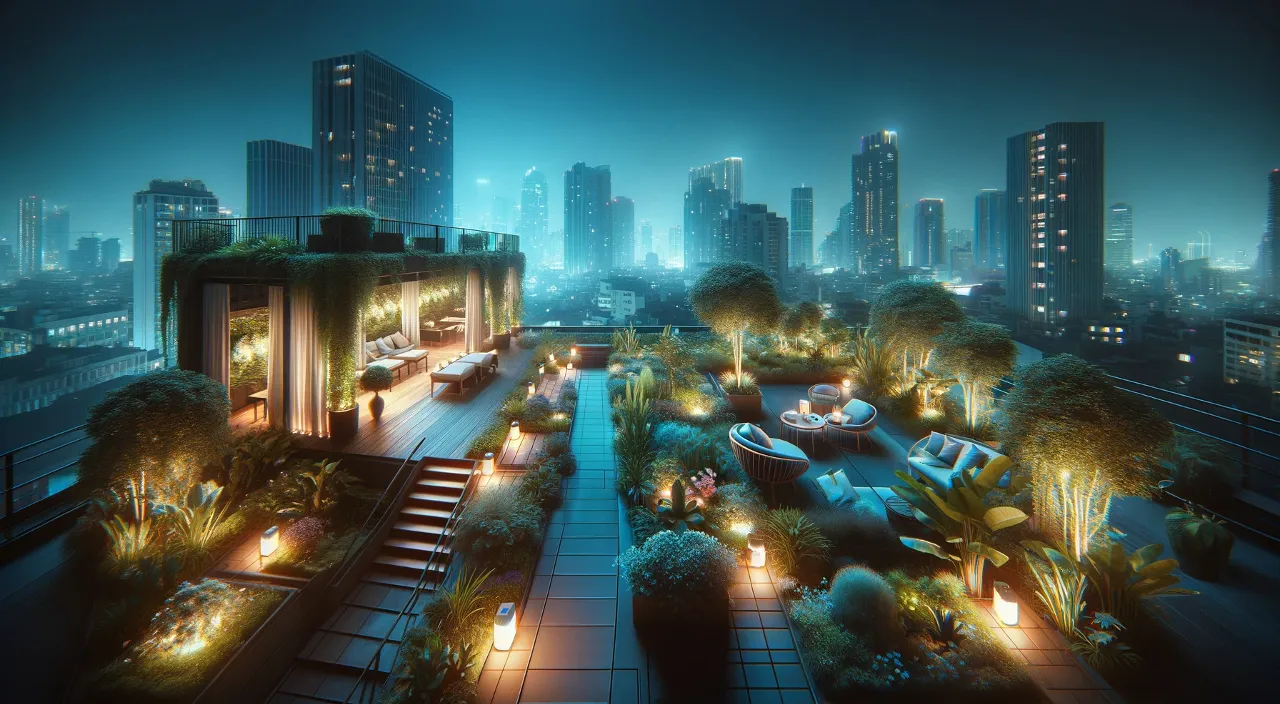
[348, 229]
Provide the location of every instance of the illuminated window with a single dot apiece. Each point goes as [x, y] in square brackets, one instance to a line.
[1062, 248]
[1039, 309]
[342, 82]
[1062, 196]
[1185, 358]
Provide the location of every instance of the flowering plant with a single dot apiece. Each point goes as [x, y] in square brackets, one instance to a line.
[704, 484]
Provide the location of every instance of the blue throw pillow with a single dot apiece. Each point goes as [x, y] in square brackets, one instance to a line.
[971, 458]
[760, 438]
[936, 441]
[951, 451]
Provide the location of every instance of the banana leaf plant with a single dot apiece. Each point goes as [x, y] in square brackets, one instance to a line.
[964, 521]
[1124, 580]
[680, 511]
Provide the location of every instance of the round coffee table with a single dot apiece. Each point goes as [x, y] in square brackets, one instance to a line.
[802, 430]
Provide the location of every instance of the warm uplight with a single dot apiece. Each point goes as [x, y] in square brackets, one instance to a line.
[504, 626]
[551, 358]
[1006, 604]
[573, 351]
[742, 528]
[557, 416]
[542, 369]
[697, 411]
[756, 545]
[533, 389]
[269, 542]
[515, 431]
[930, 413]
[486, 465]
[804, 406]
[570, 367]
[846, 384]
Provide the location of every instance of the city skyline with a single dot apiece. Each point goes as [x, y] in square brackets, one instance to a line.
[198, 138]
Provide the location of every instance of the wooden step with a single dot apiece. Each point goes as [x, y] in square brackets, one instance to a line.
[422, 529]
[445, 472]
[415, 546]
[434, 498]
[400, 580]
[408, 565]
[424, 512]
[434, 483]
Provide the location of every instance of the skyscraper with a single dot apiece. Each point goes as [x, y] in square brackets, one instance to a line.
[675, 247]
[381, 139]
[930, 247]
[1268, 255]
[1170, 267]
[801, 249]
[623, 234]
[57, 237]
[533, 216]
[30, 236]
[87, 256]
[110, 255]
[1118, 250]
[646, 237]
[1055, 187]
[587, 223]
[1201, 247]
[154, 211]
[753, 234]
[705, 206]
[844, 248]
[277, 179]
[990, 229]
[726, 174]
[875, 203]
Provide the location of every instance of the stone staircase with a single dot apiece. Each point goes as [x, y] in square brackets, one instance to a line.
[329, 666]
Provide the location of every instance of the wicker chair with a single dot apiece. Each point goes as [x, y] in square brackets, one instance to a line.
[782, 463]
[823, 398]
[858, 418]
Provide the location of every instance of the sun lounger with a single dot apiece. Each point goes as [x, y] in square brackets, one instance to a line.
[456, 373]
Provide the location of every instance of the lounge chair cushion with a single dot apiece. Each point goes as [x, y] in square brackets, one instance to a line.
[454, 372]
[936, 441]
[401, 341]
[951, 451]
[754, 434]
[782, 448]
[371, 350]
[824, 393]
[392, 364]
[972, 457]
[857, 412]
[383, 347]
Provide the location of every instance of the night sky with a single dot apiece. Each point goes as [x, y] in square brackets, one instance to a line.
[102, 97]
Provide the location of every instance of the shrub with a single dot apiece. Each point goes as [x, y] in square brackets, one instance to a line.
[500, 528]
[735, 504]
[541, 487]
[864, 603]
[303, 534]
[792, 540]
[830, 650]
[644, 524]
[350, 228]
[556, 445]
[376, 379]
[569, 391]
[635, 480]
[490, 440]
[680, 569]
[536, 410]
[1201, 543]
[856, 530]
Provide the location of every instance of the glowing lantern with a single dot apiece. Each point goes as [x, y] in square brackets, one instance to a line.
[1006, 604]
[515, 431]
[551, 358]
[742, 528]
[573, 351]
[757, 550]
[542, 369]
[533, 389]
[269, 542]
[486, 466]
[804, 406]
[570, 366]
[504, 626]
[846, 383]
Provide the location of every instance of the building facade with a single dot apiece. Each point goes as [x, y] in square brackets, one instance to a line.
[1170, 268]
[154, 211]
[277, 179]
[381, 139]
[930, 243]
[1119, 245]
[646, 238]
[86, 258]
[844, 250]
[57, 237]
[1269, 249]
[1251, 352]
[705, 208]
[1055, 254]
[587, 223]
[801, 248]
[623, 234]
[110, 255]
[875, 204]
[725, 174]
[620, 298]
[100, 326]
[990, 229]
[533, 228]
[35, 380]
[30, 236]
[753, 234]
[675, 247]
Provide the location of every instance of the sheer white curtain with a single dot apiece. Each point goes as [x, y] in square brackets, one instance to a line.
[275, 356]
[409, 291]
[216, 355]
[475, 320]
[513, 295]
[308, 365]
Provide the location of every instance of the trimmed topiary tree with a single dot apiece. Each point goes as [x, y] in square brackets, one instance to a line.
[978, 355]
[736, 298]
[864, 603]
[1083, 440]
[909, 315]
[168, 423]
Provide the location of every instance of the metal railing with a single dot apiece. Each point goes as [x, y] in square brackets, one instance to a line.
[379, 508]
[309, 233]
[37, 472]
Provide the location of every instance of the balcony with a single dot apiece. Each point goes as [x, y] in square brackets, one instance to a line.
[306, 231]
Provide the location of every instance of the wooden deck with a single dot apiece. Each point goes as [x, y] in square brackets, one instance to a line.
[448, 421]
[550, 384]
[521, 453]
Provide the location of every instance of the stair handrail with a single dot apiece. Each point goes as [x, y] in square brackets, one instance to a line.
[355, 537]
[458, 509]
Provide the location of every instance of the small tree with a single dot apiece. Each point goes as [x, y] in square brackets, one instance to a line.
[735, 298]
[169, 423]
[802, 319]
[908, 315]
[978, 355]
[836, 336]
[1084, 440]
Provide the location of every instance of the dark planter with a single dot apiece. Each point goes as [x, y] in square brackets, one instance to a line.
[501, 340]
[376, 404]
[746, 406]
[434, 245]
[348, 233]
[344, 424]
[388, 242]
[320, 244]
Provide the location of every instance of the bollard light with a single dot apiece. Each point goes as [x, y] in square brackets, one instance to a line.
[570, 366]
[515, 431]
[504, 626]
[533, 389]
[573, 351]
[270, 541]
[486, 466]
[1006, 604]
[542, 369]
[804, 407]
[756, 544]
[551, 358]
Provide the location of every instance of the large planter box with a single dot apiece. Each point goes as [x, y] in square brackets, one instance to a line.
[502, 340]
[746, 406]
[344, 424]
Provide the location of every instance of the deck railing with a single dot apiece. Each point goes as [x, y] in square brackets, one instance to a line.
[307, 232]
[36, 473]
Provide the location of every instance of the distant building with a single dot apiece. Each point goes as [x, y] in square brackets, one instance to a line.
[1269, 249]
[1170, 259]
[1119, 244]
[646, 238]
[844, 250]
[675, 247]
[875, 203]
[381, 139]
[14, 342]
[705, 207]
[753, 234]
[990, 229]
[725, 174]
[30, 236]
[1251, 352]
[961, 262]
[35, 380]
[623, 233]
[930, 249]
[110, 255]
[87, 256]
[533, 228]
[1055, 187]
[1201, 247]
[154, 211]
[621, 297]
[801, 253]
[651, 261]
[57, 237]
[92, 326]
[587, 223]
[277, 179]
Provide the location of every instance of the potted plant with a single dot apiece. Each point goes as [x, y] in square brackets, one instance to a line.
[348, 229]
[343, 424]
[679, 581]
[376, 379]
[735, 298]
[1202, 543]
[743, 394]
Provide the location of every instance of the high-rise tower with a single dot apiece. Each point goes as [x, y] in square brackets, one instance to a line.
[533, 216]
[1269, 249]
[705, 207]
[875, 203]
[277, 179]
[1118, 250]
[726, 174]
[801, 248]
[623, 235]
[990, 229]
[930, 248]
[587, 224]
[30, 236]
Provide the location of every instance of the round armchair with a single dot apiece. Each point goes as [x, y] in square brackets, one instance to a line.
[823, 398]
[857, 418]
[767, 460]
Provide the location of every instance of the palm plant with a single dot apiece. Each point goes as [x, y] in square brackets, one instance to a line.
[1124, 580]
[963, 519]
[1061, 584]
[873, 368]
[128, 539]
[198, 521]
[680, 512]
[428, 667]
[316, 490]
[790, 538]
[254, 455]
[1099, 643]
